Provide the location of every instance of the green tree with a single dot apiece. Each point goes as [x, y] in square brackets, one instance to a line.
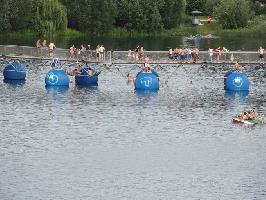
[152, 20]
[93, 16]
[233, 14]
[103, 15]
[172, 12]
[38, 15]
[195, 5]
[5, 25]
[21, 16]
[49, 15]
[122, 17]
[136, 16]
[210, 5]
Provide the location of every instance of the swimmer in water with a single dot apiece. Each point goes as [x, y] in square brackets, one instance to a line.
[129, 77]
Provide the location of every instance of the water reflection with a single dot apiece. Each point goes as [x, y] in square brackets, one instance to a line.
[145, 96]
[86, 139]
[232, 42]
[15, 83]
[56, 89]
[90, 86]
[146, 93]
[237, 95]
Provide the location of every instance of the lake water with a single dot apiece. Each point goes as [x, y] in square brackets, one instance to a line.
[244, 42]
[110, 142]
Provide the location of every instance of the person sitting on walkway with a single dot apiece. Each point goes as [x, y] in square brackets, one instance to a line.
[238, 67]
[147, 67]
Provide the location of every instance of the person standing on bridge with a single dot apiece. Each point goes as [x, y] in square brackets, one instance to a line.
[97, 53]
[38, 43]
[52, 48]
[72, 51]
[218, 52]
[261, 55]
[44, 45]
[102, 53]
[83, 51]
[209, 19]
[210, 52]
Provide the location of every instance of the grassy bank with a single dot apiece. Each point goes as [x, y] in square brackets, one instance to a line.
[66, 33]
[255, 27]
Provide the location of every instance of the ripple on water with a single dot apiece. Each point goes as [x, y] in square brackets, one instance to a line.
[110, 142]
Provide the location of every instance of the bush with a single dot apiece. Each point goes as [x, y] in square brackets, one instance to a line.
[232, 14]
[260, 9]
[195, 5]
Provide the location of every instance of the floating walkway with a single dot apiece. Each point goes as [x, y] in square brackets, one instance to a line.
[123, 57]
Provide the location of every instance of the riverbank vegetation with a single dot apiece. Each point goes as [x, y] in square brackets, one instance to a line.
[130, 17]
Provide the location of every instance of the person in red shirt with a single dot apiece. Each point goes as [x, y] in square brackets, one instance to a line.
[218, 52]
[209, 19]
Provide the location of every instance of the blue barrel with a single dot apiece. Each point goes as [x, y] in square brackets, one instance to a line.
[56, 77]
[236, 81]
[14, 71]
[147, 81]
[86, 80]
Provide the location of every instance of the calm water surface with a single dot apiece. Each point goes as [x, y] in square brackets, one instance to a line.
[110, 142]
[244, 42]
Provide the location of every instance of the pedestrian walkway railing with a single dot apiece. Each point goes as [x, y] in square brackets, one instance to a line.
[122, 57]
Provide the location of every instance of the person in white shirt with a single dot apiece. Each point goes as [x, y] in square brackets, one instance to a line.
[210, 52]
[102, 51]
[261, 55]
[52, 48]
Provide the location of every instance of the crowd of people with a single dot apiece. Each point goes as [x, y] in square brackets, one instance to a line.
[176, 55]
[184, 55]
[74, 52]
[87, 52]
[136, 54]
[43, 44]
[247, 115]
[217, 53]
